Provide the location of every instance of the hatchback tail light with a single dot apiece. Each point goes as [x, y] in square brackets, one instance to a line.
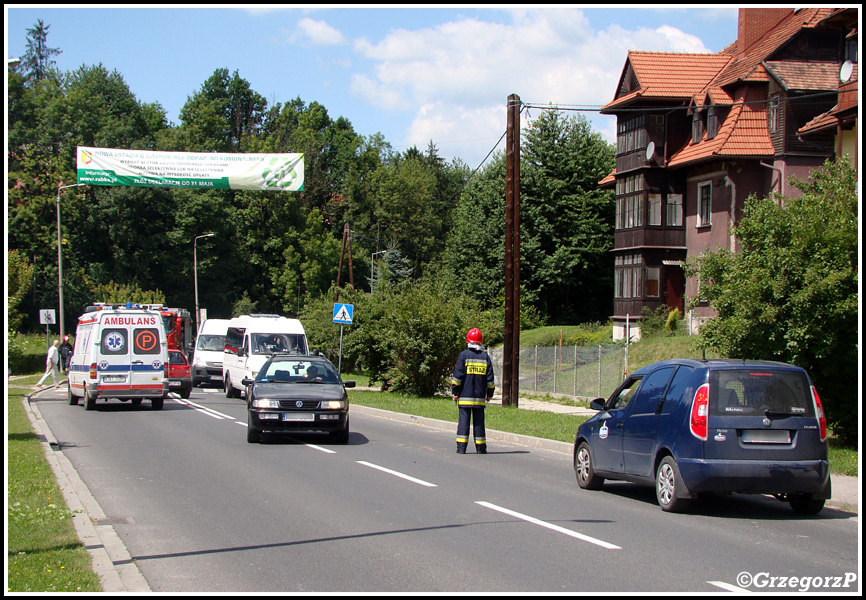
[819, 412]
[700, 410]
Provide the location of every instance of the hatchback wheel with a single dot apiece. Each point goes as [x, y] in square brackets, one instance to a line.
[803, 504]
[669, 486]
[583, 469]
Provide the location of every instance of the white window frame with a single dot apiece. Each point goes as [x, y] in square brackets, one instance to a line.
[675, 210]
[655, 209]
[705, 205]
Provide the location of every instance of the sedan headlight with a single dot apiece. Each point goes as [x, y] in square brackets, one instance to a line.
[334, 404]
[265, 403]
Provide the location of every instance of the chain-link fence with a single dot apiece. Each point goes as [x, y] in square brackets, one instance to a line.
[584, 372]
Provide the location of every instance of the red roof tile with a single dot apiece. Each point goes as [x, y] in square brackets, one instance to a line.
[669, 75]
[805, 75]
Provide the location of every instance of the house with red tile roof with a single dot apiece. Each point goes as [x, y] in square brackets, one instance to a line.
[699, 133]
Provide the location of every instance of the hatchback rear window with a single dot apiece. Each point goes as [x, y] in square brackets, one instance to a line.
[754, 391]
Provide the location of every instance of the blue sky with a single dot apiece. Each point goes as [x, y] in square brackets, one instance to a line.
[413, 74]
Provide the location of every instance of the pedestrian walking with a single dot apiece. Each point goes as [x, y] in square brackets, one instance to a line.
[52, 363]
[472, 388]
[65, 354]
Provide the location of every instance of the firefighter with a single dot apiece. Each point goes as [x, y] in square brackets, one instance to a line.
[472, 388]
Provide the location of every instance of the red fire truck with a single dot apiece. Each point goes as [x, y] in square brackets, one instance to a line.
[178, 328]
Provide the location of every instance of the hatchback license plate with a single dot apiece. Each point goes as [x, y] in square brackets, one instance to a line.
[766, 436]
[299, 417]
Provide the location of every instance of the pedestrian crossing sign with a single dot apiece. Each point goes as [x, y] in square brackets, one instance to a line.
[343, 313]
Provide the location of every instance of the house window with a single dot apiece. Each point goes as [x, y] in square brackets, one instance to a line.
[627, 276]
[705, 204]
[631, 135]
[652, 282]
[629, 202]
[655, 209]
[773, 115]
[697, 126]
[712, 123]
[675, 210]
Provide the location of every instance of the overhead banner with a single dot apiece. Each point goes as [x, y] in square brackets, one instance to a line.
[198, 170]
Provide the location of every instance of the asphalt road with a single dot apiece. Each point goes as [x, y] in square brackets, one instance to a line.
[397, 510]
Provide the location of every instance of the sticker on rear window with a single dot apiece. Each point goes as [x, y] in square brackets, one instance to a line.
[114, 341]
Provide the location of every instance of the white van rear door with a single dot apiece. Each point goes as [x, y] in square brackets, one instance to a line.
[148, 369]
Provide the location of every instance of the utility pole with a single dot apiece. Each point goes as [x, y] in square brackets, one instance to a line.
[347, 244]
[511, 347]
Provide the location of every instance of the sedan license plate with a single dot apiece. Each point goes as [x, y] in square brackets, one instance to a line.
[299, 416]
[216, 377]
[766, 436]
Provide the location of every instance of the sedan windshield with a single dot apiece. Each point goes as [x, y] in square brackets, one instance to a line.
[299, 371]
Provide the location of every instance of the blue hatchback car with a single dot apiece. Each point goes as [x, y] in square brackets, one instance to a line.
[692, 426]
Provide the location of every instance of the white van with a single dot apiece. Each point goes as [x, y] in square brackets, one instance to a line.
[207, 358]
[120, 352]
[251, 340]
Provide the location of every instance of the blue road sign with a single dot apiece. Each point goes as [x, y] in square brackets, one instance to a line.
[343, 313]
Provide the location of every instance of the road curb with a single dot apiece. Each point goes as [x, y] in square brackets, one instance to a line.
[111, 560]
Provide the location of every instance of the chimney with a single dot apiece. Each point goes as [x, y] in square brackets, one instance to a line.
[755, 22]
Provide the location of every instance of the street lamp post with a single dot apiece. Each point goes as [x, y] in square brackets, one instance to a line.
[372, 263]
[195, 275]
[60, 255]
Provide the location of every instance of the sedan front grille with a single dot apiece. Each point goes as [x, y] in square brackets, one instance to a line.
[292, 404]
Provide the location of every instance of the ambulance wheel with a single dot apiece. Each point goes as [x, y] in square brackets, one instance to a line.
[157, 403]
[89, 401]
[72, 398]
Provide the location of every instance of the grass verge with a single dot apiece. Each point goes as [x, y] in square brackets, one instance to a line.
[43, 551]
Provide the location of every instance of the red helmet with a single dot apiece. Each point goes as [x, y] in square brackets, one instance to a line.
[474, 336]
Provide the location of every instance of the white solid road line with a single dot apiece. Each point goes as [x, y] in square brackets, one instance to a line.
[535, 521]
[728, 587]
[398, 474]
[208, 411]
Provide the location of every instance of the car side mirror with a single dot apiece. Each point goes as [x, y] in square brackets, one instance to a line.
[597, 404]
[246, 381]
[349, 384]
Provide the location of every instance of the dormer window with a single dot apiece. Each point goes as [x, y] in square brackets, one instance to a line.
[712, 122]
[698, 125]
[773, 115]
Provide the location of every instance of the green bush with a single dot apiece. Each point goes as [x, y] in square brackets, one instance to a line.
[408, 337]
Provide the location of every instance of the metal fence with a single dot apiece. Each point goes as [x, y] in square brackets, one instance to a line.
[584, 372]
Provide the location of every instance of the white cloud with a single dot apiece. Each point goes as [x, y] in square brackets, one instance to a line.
[460, 73]
[316, 33]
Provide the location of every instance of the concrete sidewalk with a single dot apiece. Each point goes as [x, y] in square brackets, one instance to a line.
[846, 489]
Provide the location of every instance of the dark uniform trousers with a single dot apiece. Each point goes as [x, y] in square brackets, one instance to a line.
[471, 410]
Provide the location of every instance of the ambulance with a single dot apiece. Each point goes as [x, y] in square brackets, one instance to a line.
[251, 340]
[120, 352]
